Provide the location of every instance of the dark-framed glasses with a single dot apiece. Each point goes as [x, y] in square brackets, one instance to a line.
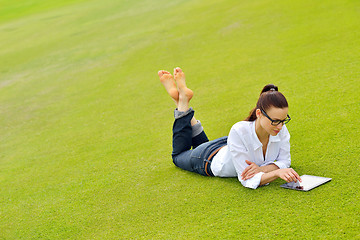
[277, 122]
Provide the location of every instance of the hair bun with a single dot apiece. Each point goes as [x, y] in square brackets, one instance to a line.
[269, 87]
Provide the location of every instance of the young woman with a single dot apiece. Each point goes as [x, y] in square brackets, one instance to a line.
[257, 150]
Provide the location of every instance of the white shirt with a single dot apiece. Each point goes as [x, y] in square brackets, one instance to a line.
[243, 144]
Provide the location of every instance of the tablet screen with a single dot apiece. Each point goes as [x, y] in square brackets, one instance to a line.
[308, 182]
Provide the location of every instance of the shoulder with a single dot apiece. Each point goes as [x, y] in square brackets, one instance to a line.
[242, 128]
[238, 133]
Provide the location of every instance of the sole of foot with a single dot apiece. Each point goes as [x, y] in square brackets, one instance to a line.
[184, 91]
[168, 81]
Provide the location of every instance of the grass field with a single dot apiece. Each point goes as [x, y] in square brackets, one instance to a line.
[85, 125]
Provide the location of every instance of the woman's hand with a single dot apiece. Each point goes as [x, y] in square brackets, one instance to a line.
[288, 174]
[250, 171]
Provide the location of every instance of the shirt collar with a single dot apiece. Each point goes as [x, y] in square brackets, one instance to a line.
[256, 141]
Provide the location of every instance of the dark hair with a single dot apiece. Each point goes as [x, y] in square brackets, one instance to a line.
[269, 97]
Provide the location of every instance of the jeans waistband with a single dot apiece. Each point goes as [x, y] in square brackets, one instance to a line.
[208, 162]
[211, 152]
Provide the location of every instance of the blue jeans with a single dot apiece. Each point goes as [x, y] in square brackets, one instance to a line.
[193, 160]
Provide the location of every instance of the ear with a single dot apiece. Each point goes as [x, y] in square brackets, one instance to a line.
[258, 112]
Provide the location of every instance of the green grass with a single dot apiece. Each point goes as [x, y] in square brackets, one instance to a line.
[85, 126]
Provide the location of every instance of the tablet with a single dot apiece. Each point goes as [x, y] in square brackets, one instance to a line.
[308, 182]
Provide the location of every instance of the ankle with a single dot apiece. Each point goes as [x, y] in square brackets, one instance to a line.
[179, 114]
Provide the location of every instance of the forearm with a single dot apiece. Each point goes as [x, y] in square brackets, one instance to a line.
[269, 177]
[287, 174]
[268, 168]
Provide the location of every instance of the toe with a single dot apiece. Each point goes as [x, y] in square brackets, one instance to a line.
[160, 73]
[177, 71]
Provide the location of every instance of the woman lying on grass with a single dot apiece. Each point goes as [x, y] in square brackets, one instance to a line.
[257, 150]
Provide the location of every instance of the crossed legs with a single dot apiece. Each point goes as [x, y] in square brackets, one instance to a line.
[187, 131]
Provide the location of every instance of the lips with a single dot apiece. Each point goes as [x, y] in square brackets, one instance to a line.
[276, 131]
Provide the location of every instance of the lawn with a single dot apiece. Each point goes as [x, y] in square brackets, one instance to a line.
[85, 125]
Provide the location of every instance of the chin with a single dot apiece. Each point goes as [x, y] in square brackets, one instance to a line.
[273, 133]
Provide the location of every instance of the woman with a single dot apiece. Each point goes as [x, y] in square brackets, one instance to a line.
[257, 150]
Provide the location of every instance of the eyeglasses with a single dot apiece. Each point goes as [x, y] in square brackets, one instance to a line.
[277, 122]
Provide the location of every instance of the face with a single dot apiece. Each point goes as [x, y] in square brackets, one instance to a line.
[275, 114]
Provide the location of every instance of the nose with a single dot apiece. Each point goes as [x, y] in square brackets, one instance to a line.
[280, 126]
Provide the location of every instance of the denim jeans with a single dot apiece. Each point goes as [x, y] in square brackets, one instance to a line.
[194, 159]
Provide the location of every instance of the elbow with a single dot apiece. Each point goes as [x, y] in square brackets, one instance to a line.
[247, 183]
[253, 182]
[251, 186]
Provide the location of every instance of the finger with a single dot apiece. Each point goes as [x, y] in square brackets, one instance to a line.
[248, 173]
[287, 177]
[298, 179]
[245, 175]
[293, 177]
[249, 176]
[283, 177]
[248, 168]
[297, 176]
[248, 162]
[245, 171]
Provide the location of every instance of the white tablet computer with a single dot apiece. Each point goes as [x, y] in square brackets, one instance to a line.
[308, 182]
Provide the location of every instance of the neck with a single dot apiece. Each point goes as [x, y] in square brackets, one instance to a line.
[260, 132]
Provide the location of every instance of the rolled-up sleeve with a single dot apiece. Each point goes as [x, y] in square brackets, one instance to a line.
[239, 154]
[253, 182]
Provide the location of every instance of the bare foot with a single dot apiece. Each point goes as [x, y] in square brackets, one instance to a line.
[168, 81]
[184, 92]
